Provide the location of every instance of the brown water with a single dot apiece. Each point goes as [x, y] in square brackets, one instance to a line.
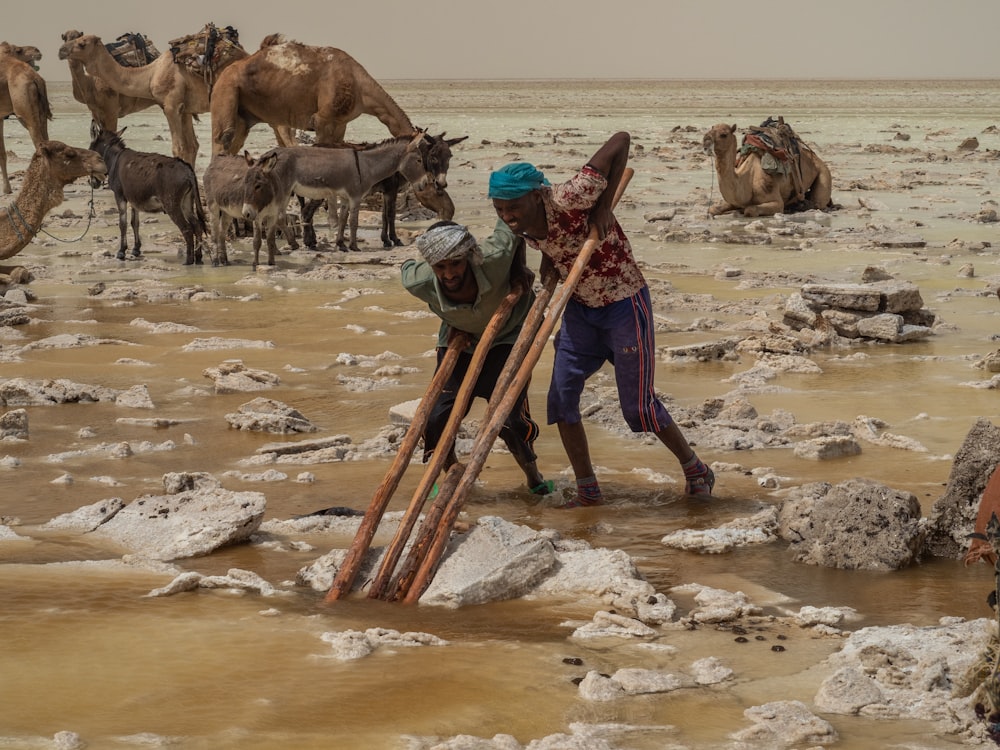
[85, 651]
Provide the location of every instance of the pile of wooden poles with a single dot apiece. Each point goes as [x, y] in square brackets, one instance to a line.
[407, 582]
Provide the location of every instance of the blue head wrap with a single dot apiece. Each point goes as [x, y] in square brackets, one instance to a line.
[514, 180]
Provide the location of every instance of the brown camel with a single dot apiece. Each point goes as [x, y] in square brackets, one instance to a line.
[106, 105]
[745, 185]
[22, 94]
[28, 54]
[180, 93]
[53, 166]
[286, 83]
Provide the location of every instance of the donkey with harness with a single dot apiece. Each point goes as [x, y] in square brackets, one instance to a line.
[329, 173]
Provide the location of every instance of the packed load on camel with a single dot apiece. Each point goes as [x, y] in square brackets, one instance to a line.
[133, 50]
[770, 171]
[208, 51]
[779, 148]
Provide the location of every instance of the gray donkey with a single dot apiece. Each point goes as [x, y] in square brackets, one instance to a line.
[154, 183]
[323, 172]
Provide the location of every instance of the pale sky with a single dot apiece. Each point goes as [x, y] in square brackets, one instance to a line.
[458, 39]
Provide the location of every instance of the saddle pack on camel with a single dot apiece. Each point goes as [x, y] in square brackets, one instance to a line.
[207, 51]
[779, 147]
[133, 50]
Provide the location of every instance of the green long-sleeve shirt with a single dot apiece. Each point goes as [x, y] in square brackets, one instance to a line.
[493, 280]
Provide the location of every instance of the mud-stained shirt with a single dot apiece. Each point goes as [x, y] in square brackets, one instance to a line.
[612, 273]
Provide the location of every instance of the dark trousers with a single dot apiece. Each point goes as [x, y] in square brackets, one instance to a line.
[518, 432]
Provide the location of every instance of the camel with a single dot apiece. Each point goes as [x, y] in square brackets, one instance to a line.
[28, 54]
[298, 86]
[180, 93]
[53, 166]
[23, 94]
[746, 185]
[106, 105]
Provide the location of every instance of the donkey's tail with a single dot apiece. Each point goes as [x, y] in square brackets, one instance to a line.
[199, 209]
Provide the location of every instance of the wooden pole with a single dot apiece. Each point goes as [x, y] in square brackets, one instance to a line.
[444, 446]
[413, 582]
[380, 500]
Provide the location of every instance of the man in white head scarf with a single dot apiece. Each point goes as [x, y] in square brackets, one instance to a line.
[463, 283]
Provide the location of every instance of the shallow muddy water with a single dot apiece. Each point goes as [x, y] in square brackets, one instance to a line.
[85, 651]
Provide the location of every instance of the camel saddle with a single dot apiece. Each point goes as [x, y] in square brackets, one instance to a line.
[207, 51]
[133, 50]
[777, 144]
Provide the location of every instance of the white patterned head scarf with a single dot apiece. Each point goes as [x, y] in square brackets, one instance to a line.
[448, 242]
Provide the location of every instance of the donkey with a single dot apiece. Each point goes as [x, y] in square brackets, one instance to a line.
[328, 173]
[435, 153]
[225, 188]
[154, 183]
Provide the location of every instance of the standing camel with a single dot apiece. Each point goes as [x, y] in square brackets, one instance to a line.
[106, 105]
[22, 94]
[293, 85]
[25, 53]
[53, 166]
[179, 93]
[298, 86]
[176, 89]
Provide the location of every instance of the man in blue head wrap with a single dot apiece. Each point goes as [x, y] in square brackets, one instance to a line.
[463, 282]
[609, 316]
[514, 180]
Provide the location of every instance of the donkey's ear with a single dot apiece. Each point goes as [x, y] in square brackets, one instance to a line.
[268, 160]
[453, 141]
[95, 128]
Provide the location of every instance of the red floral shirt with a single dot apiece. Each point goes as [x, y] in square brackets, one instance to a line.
[612, 273]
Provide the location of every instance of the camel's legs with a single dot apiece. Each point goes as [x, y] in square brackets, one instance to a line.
[284, 135]
[329, 132]
[3, 161]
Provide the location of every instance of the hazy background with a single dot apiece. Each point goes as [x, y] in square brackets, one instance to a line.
[421, 39]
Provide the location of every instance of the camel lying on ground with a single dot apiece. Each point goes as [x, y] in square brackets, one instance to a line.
[23, 94]
[53, 166]
[746, 185]
[106, 104]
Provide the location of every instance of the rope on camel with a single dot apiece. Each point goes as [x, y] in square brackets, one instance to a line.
[13, 211]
